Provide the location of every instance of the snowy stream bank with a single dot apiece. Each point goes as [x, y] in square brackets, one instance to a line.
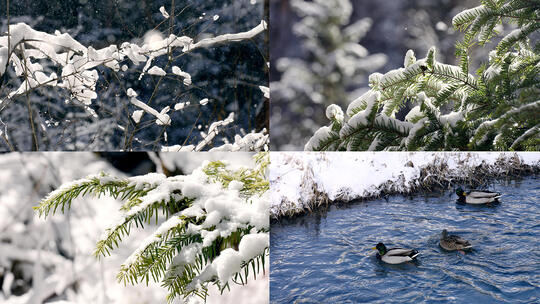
[301, 182]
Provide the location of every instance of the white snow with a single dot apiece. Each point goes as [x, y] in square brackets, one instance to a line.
[414, 112]
[452, 118]
[131, 93]
[252, 245]
[335, 112]
[526, 134]
[179, 106]
[375, 79]
[320, 135]
[25, 179]
[203, 102]
[226, 263]
[254, 141]
[228, 37]
[164, 12]
[224, 211]
[177, 71]
[409, 58]
[77, 63]
[3, 59]
[155, 70]
[162, 117]
[492, 71]
[137, 115]
[266, 91]
[230, 260]
[415, 128]
[162, 229]
[236, 185]
[533, 106]
[364, 102]
[464, 15]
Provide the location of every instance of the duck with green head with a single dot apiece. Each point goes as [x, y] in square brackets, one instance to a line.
[395, 255]
[477, 197]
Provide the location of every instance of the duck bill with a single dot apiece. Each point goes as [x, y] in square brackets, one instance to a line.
[374, 248]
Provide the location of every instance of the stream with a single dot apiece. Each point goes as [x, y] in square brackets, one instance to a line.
[326, 256]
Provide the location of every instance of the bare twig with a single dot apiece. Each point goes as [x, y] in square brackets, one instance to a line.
[30, 111]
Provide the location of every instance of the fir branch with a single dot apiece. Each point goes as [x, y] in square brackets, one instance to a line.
[184, 252]
[458, 110]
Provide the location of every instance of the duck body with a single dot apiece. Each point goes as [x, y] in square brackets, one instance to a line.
[453, 242]
[477, 197]
[395, 255]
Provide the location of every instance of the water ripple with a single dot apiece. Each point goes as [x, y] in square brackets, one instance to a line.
[327, 257]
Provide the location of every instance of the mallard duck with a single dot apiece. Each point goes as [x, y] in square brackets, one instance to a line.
[477, 196]
[452, 242]
[395, 255]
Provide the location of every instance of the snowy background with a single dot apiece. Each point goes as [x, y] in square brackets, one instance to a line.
[51, 261]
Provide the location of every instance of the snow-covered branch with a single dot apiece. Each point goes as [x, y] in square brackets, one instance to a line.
[448, 107]
[228, 37]
[215, 228]
[36, 57]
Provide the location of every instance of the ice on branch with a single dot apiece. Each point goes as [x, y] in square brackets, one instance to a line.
[203, 102]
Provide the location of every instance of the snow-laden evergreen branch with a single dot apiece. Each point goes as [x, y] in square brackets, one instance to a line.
[454, 110]
[216, 227]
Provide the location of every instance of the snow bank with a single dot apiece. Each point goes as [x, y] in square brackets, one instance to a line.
[302, 181]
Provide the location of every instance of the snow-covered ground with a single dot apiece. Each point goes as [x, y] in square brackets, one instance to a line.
[51, 260]
[300, 180]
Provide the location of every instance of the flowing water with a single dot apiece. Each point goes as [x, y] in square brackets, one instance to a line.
[326, 257]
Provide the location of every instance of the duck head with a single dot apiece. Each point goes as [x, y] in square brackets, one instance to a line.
[381, 248]
[460, 192]
[444, 233]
